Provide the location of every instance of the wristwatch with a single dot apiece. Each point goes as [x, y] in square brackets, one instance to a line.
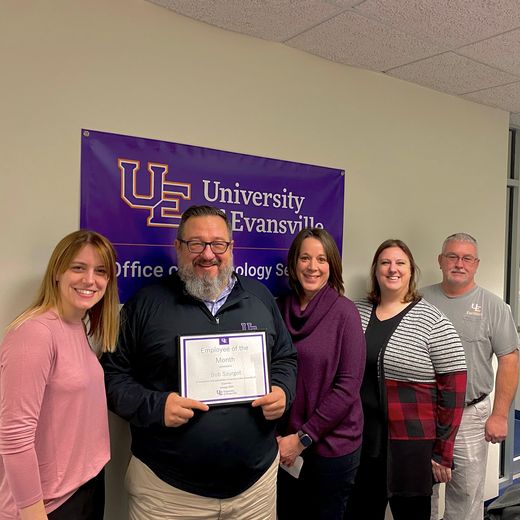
[304, 439]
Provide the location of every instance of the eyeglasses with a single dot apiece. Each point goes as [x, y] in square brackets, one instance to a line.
[466, 259]
[218, 247]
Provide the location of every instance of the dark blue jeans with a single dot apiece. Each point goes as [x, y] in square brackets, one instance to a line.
[321, 492]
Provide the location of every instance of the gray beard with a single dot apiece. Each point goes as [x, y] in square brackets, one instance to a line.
[205, 287]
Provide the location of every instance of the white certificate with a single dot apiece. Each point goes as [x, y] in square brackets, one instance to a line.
[224, 368]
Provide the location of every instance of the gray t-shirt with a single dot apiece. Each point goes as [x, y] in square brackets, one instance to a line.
[485, 326]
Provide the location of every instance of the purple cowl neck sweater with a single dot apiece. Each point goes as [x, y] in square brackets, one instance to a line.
[331, 361]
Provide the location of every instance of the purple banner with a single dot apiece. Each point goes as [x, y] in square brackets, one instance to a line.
[134, 191]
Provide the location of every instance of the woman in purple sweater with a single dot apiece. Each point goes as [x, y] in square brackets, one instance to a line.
[325, 422]
[54, 438]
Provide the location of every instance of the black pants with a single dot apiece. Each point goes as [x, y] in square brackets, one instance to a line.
[411, 508]
[369, 497]
[87, 503]
[322, 490]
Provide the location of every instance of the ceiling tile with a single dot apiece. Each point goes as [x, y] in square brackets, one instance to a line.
[455, 46]
[514, 119]
[355, 40]
[452, 22]
[506, 97]
[275, 20]
[451, 73]
[502, 51]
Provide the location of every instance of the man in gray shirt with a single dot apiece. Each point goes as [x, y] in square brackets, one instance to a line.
[486, 327]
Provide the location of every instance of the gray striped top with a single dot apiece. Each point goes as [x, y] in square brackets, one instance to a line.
[424, 344]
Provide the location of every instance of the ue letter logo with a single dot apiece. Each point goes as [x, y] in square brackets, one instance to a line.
[163, 198]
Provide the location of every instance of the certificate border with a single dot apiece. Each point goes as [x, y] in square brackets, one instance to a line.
[184, 339]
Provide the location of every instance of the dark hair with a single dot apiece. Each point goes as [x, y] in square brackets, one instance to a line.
[412, 295]
[202, 211]
[331, 251]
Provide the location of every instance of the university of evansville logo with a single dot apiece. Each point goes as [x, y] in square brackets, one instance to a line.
[163, 197]
[476, 310]
[248, 326]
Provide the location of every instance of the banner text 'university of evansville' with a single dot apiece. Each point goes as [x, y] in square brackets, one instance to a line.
[134, 191]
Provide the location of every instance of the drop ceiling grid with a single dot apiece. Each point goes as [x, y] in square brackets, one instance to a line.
[353, 39]
[450, 22]
[461, 47]
[274, 20]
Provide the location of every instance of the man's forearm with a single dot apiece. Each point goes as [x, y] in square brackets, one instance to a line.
[506, 383]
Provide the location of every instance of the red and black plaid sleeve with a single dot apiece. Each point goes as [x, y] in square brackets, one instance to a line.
[451, 392]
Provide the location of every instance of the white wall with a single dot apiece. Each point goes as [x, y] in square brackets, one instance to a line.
[420, 164]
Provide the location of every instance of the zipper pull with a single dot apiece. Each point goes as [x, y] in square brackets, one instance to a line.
[217, 319]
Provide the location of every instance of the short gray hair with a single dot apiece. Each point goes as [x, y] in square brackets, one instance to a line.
[460, 237]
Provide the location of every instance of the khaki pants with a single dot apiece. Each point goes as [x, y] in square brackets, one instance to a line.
[150, 498]
[465, 491]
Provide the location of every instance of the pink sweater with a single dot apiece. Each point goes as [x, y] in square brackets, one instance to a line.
[53, 414]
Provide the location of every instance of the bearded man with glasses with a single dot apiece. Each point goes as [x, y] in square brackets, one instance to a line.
[486, 327]
[191, 461]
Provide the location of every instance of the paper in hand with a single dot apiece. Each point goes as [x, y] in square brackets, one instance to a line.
[295, 469]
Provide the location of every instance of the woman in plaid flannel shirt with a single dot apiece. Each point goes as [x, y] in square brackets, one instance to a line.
[412, 392]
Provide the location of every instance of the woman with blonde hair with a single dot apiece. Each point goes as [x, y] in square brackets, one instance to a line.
[54, 440]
